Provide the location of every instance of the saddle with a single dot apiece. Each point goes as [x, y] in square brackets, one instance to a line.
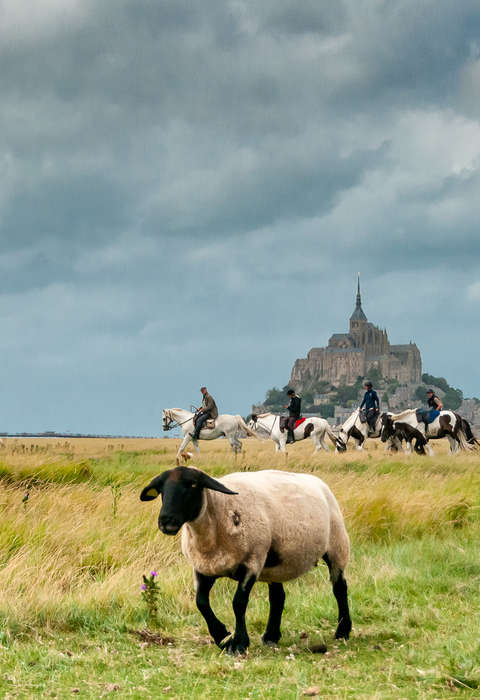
[209, 423]
[284, 423]
[426, 416]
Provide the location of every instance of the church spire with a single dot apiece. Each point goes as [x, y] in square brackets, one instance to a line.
[358, 314]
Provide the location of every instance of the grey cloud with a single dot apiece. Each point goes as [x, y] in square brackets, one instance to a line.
[171, 172]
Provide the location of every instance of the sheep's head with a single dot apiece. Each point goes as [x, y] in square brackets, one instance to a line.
[182, 496]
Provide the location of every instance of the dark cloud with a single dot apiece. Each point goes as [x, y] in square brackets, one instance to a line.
[188, 191]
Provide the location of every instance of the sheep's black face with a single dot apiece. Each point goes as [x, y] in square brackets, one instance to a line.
[182, 496]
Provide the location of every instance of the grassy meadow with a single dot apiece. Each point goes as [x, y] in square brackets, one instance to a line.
[72, 620]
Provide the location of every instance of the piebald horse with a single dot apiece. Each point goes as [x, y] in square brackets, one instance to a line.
[447, 424]
[356, 429]
[225, 426]
[268, 425]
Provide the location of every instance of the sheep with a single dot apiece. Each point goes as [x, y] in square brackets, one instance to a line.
[269, 526]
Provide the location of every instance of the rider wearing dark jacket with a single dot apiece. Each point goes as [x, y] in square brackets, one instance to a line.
[372, 404]
[433, 401]
[207, 410]
[294, 413]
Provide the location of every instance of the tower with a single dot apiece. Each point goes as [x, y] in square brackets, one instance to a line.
[358, 320]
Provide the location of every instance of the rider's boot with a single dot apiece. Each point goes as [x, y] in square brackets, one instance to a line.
[290, 437]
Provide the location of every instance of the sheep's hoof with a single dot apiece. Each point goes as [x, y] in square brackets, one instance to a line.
[343, 629]
[236, 646]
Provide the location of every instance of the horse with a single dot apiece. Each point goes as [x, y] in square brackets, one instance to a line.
[225, 426]
[354, 428]
[268, 424]
[403, 431]
[447, 424]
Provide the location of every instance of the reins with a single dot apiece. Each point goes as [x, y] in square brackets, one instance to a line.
[174, 423]
[265, 427]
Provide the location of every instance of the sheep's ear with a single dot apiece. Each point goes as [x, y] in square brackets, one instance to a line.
[208, 483]
[154, 488]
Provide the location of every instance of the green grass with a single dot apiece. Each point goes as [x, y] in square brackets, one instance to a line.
[70, 576]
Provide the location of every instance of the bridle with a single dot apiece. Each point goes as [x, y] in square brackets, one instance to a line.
[265, 428]
[172, 422]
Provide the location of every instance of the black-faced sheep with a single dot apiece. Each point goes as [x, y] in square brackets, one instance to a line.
[270, 526]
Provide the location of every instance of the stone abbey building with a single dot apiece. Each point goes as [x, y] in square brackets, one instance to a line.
[353, 354]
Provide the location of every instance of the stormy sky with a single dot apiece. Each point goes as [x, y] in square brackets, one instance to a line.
[188, 191]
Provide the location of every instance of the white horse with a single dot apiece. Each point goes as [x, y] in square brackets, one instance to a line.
[225, 426]
[447, 424]
[268, 425]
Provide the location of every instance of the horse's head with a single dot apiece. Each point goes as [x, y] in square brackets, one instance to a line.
[341, 441]
[388, 427]
[167, 419]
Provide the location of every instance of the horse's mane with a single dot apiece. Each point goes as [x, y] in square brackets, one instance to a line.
[350, 420]
[264, 415]
[403, 414]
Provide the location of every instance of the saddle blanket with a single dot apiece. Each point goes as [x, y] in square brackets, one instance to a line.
[284, 422]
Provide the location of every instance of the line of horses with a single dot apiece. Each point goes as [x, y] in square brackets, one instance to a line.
[393, 429]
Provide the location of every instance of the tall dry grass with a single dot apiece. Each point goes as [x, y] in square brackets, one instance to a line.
[67, 561]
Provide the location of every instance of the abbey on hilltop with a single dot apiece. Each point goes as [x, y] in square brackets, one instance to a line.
[349, 355]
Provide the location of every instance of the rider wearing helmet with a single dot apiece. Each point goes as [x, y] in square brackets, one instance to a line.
[294, 413]
[372, 405]
[207, 410]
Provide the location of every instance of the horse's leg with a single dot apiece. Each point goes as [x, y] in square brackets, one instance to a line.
[429, 449]
[186, 439]
[320, 442]
[453, 444]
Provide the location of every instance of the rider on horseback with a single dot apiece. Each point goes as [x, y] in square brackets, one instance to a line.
[207, 410]
[294, 412]
[372, 405]
[434, 403]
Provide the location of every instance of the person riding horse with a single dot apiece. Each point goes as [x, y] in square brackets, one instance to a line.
[294, 413]
[207, 410]
[434, 403]
[372, 405]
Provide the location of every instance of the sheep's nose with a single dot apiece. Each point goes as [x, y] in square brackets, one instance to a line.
[168, 525]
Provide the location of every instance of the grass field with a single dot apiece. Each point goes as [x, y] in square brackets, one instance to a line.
[72, 558]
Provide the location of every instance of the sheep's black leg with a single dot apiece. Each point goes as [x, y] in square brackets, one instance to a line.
[216, 628]
[340, 592]
[240, 641]
[276, 596]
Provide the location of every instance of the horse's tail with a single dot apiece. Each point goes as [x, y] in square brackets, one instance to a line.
[243, 426]
[471, 439]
